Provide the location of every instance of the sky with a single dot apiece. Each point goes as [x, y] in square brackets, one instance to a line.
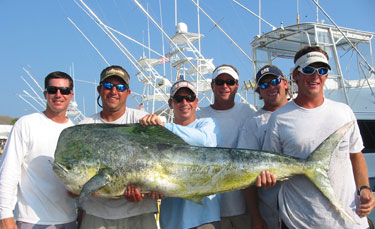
[37, 38]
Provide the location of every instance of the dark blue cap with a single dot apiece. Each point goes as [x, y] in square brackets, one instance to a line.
[268, 70]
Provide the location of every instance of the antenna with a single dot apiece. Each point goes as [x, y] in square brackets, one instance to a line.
[79, 30]
[260, 16]
[297, 11]
[235, 44]
[162, 36]
[317, 11]
[175, 13]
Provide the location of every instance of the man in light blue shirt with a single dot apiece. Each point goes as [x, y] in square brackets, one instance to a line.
[176, 212]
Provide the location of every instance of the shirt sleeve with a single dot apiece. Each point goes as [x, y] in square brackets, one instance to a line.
[205, 133]
[356, 142]
[10, 170]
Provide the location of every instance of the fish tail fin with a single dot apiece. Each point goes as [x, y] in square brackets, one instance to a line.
[318, 167]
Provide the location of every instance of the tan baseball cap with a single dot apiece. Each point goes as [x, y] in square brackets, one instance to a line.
[115, 71]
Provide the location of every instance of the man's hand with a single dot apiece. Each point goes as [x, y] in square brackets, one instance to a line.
[135, 195]
[8, 223]
[258, 223]
[72, 194]
[266, 180]
[154, 195]
[132, 194]
[367, 203]
[151, 120]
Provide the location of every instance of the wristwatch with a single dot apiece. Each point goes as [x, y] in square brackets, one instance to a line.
[363, 187]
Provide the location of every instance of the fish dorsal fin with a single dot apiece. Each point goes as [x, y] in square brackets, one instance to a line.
[149, 134]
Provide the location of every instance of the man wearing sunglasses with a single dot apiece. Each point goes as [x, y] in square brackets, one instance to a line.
[176, 212]
[230, 116]
[26, 176]
[272, 88]
[297, 129]
[132, 211]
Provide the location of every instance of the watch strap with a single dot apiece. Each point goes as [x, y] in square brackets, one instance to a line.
[363, 187]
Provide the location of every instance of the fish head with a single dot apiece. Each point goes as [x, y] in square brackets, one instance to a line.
[76, 160]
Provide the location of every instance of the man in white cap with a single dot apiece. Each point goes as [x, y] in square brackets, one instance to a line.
[298, 128]
[272, 88]
[131, 212]
[230, 116]
[177, 213]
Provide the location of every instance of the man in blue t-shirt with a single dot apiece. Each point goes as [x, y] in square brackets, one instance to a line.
[176, 212]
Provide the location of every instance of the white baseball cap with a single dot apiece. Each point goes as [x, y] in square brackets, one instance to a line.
[225, 69]
[181, 84]
[310, 58]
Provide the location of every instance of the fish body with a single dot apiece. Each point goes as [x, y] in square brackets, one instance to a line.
[103, 159]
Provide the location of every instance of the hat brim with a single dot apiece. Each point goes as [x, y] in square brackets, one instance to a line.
[266, 74]
[311, 58]
[225, 70]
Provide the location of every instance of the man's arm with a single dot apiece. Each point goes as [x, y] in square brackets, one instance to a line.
[251, 197]
[361, 179]
[10, 173]
[205, 135]
[8, 223]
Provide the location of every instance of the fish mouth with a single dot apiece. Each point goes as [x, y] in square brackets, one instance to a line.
[57, 166]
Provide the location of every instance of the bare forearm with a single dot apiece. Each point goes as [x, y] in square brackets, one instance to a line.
[359, 169]
[367, 200]
[8, 223]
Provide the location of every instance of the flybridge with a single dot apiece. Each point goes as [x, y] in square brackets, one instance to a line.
[351, 79]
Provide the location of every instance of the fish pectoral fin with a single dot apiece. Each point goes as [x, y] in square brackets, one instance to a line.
[196, 199]
[96, 182]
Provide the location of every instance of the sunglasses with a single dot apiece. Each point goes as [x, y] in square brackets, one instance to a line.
[228, 82]
[273, 82]
[180, 98]
[119, 87]
[308, 70]
[63, 90]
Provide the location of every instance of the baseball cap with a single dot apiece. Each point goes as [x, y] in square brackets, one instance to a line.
[310, 58]
[115, 71]
[267, 70]
[225, 69]
[181, 84]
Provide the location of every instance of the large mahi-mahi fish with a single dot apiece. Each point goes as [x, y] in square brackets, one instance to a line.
[102, 159]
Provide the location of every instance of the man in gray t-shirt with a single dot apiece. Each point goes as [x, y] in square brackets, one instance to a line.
[272, 87]
[297, 129]
[134, 211]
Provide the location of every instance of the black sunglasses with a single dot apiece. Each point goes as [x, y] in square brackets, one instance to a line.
[228, 82]
[180, 98]
[63, 90]
[119, 87]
